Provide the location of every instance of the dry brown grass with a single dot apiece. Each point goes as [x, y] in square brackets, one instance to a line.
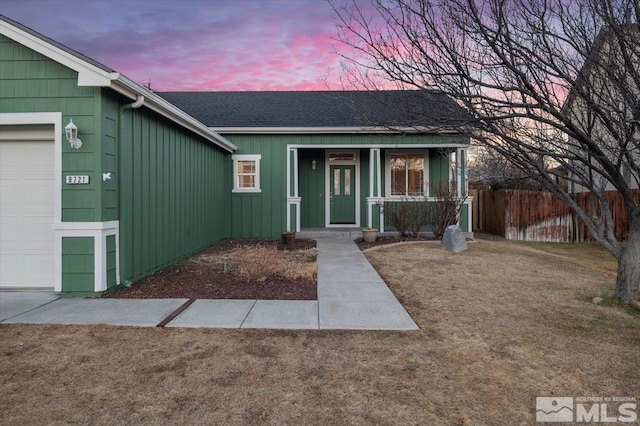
[257, 264]
[499, 325]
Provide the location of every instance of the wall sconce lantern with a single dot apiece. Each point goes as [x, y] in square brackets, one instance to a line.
[72, 135]
[313, 164]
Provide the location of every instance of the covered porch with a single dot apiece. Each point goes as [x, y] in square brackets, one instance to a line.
[339, 186]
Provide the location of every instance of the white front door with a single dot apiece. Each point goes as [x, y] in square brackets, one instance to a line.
[26, 206]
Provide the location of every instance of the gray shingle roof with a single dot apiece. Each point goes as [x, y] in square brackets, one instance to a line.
[321, 108]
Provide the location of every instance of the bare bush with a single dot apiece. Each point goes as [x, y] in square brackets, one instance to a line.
[407, 215]
[257, 264]
[445, 210]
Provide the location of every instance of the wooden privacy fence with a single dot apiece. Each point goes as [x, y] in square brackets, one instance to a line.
[539, 215]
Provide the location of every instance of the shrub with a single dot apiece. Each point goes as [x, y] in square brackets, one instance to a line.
[260, 263]
[407, 216]
[410, 214]
[257, 264]
[446, 208]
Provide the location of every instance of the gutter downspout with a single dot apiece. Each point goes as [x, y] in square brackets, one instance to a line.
[134, 105]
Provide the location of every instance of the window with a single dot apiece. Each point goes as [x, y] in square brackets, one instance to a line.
[342, 156]
[246, 173]
[407, 174]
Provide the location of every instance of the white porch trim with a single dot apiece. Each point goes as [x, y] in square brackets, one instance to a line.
[99, 231]
[372, 201]
[293, 201]
[293, 198]
[380, 146]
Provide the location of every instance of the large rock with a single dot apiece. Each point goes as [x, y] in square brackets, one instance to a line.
[453, 239]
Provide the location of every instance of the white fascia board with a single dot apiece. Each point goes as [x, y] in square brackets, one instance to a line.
[88, 74]
[131, 89]
[329, 130]
[339, 147]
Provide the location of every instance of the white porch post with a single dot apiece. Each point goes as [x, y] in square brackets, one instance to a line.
[374, 184]
[458, 172]
[293, 199]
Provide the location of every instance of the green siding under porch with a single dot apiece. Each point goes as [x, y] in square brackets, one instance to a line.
[111, 261]
[77, 265]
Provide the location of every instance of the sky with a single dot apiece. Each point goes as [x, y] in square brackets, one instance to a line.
[196, 45]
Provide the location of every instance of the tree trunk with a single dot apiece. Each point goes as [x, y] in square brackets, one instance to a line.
[628, 280]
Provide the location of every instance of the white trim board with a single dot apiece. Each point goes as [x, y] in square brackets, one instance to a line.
[377, 145]
[99, 231]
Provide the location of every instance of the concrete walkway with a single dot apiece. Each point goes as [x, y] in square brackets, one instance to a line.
[351, 295]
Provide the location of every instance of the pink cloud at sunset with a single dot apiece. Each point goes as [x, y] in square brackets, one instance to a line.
[196, 44]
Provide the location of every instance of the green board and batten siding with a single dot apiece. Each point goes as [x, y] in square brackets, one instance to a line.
[175, 190]
[176, 187]
[263, 215]
[30, 82]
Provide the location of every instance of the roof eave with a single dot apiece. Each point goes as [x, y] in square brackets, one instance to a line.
[131, 89]
[88, 74]
[93, 76]
[334, 130]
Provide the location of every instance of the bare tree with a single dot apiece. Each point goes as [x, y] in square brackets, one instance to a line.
[547, 82]
[491, 168]
[446, 207]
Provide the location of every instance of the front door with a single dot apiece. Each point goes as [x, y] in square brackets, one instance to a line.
[342, 197]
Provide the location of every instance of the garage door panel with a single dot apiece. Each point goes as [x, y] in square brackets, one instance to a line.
[11, 232]
[37, 233]
[26, 210]
[40, 195]
[11, 156]
[12, 269]
[37, 267]
[12, 196]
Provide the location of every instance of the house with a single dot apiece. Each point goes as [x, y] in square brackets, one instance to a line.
[604, 104]
[327, 159]
[104, 182]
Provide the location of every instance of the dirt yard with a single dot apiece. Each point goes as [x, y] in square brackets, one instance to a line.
[236, 269]
[499, 325]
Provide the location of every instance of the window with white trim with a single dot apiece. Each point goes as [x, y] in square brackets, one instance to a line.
[246, 172]
[407, 174]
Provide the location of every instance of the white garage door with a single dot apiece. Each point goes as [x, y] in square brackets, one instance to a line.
[26, 206]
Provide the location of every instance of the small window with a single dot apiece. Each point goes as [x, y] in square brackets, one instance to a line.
[342, 156]
[246, 173]
[407, 174]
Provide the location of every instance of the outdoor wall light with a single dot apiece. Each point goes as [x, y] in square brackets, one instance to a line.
[72, 135]
[313, 164]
